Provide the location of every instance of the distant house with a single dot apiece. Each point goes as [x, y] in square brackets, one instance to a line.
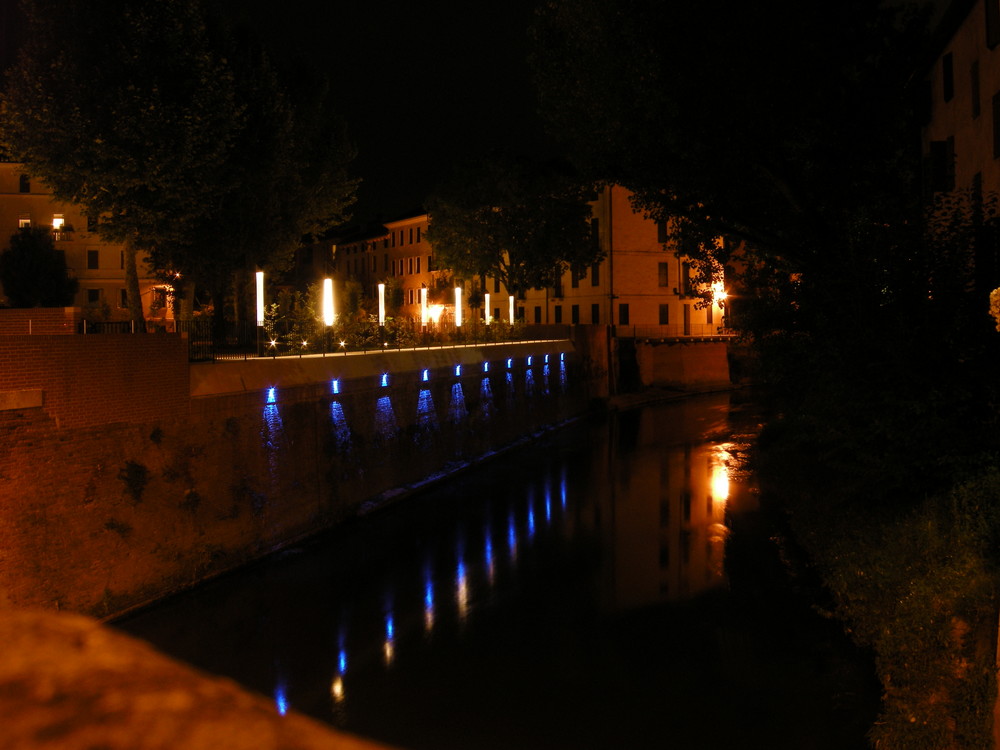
[642, 286]
[98, 265]
[961, 128]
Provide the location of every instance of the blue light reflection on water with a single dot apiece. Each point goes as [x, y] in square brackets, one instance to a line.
[281, 698]
[545, 379]
[529, 382]
[484, 572]
[486, 398]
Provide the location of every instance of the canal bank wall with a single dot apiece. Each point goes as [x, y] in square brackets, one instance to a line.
[128, 474]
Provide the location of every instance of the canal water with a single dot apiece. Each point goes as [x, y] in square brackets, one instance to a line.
[613, 585]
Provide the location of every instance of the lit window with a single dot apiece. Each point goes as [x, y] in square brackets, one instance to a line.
[58, 222]
[24, 221]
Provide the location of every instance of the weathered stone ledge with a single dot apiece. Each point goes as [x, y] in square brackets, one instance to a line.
[68, 682]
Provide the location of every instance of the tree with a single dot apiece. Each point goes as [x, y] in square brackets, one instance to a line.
[125, 109]
[285, 179]
[33, 273]
[511, 220]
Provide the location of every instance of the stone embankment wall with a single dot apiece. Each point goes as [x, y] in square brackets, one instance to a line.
[126, 474]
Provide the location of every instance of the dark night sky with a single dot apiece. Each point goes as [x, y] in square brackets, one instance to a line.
[421, 84]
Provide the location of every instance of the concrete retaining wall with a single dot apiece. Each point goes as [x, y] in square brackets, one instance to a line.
[105, 512]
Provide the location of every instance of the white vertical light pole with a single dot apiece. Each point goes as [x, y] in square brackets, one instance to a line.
[381, 304]
[328, 302]
[510, 308]
[423, 306]
[486, 302]
[260, 298]
[458, 307]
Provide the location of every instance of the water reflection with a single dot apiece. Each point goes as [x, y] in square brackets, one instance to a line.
[385, 418]
[270, 434]
[501, 575]
[457, 410]
[426, 414]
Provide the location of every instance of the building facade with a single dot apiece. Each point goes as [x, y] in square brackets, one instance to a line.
[642, 285]
[961, 133]
[98, 265]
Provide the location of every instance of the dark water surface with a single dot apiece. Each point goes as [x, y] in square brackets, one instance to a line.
[613, 586]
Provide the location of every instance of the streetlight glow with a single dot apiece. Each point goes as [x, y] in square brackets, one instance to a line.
[458, 307]
[260, 298]
[381, 304]
[328, 301]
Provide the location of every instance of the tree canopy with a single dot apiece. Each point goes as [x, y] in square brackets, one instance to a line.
[158, 118]
[33, 273]
[520, 222]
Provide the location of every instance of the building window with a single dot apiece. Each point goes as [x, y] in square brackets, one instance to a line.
[91, 223]
[93, 296]
[496, 313]
[411, 235]
[418, 264]
[385, 262]
[410, 296]
[393, 239]
[595, 274]
[661, 232]
[558, 313]
[595, 313]
[664, 314]
[93, 259]
[520, 313]
[538, 314]
[992, 23]
[58, 223]
[708, 314]
[409, 265]
[496, 286]
[974, 88]
[663, 273]
[623, 313]
[23, 221]
[430, 263]
[24, 184]
[942, 161]
[122, 298]
[948, 77]
[418, 235]
[686, 285]
[121, 259]
[574, 314]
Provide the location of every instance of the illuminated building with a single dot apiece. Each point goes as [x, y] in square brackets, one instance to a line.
[98, 265]
[643, 284]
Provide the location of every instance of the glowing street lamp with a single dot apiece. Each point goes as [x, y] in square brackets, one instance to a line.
[510, 308]
[328, 302]
[458, 307]
[423, 306]
[381, 304]
[260, 298]
[486, 302]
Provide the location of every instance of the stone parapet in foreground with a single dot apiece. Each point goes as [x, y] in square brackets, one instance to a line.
[68, 682]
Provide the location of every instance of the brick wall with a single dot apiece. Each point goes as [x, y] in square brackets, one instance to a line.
[101, 379]
[40, 320]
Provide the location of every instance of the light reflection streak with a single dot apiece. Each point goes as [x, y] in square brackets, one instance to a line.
[486, 397]
[548, 504]
[512, 537]
[426, 414]
[490, 562]
[529, 382]
[562, 489]
[281, 698]
[428, 599]
[545, 379]
[341, 429]
[270, 434]
[462, 591]
[562, 373]
[389, 646]
[531, 515]
[385, 418]
[456, 409]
